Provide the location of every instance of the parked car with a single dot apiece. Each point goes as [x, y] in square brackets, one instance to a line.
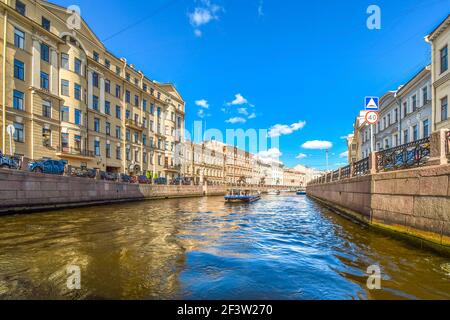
[9, 162]
[108, 176]
[143, 180]
[181, 181]
[84, 173]
[125, 178]
[48, 166]
[161, 180]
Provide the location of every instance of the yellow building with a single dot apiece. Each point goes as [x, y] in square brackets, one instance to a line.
[69, 98]
[440, 42]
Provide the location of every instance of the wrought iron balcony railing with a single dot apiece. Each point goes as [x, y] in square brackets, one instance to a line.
[76, 152]
[345, 172]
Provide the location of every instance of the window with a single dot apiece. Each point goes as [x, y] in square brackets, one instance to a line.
[95, 79]
[136, 137]
[127, 76]
[118, 112]
[144, 87]
[77, 91]
[45, 52]
[65, 87]
[118, 132]
[444, 59]
[96, 56]
[144, 105]
[414, 103]
[78, 117]
[117, 91]
[136, 155]
[44, 81]
[108, 128]
[18, 100]
[136, 101]
[95, 103]
[118, 70]
[107, 63]
[136, 81]
[65, 114]
[145, 157]
[46, 137]
[65, 61]
[415, 133]
[46, 109]
[96, 124]
[128, 155]
[77, 68]
[19, 132]
[64, 140]
[118, 153]
[19, 70]
[45, 23]
[19, 39]
[444, 109]
[127, 114]
[406, 136]
[127, 96]
[20, 7]
[152, 108]
[152, 91]
[107, 107]
[158, 112]
[107, 86]
[127, 135]
[108, 150]
[97, 148]
[405, 109]
[77, 144]
[426, 129]
[425, 95]
[144, 139]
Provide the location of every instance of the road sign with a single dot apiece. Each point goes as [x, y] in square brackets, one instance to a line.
[372, 117]
[372, 103]
[11, 130]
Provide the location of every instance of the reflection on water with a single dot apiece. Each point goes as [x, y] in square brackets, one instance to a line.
[285, 247]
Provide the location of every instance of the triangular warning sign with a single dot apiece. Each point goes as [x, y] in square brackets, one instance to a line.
[372, 104]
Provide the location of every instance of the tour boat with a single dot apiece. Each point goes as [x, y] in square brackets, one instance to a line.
[301, 192]
[242, 196]
[273, 193]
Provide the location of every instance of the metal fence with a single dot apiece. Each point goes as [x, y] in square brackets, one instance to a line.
[414, 154]
[410, 155]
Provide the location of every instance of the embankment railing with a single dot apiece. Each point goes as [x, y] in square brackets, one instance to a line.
[410, 155]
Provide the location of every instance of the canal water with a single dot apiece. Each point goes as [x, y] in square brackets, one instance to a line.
[285, 247]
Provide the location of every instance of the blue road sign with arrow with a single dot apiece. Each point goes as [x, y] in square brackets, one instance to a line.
[372, 103]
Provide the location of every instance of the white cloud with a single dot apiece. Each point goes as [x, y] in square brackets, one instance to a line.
[344, 155]
[238, 101]
[317, 145]
[204, 14]
[202, 103]
[252, 116]
[201, 113]
[279, 130]
[261, 8]
[273, 154]
[301, 156]
[236, 120]
[198, 33]
[243, 111]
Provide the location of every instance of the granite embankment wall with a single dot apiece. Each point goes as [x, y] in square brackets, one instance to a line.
[413, 202]
[23, 191]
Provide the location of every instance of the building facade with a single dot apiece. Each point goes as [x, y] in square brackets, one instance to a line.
[69, 98]
[440, 42]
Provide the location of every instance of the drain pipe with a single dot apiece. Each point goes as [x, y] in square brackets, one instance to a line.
[5, 26]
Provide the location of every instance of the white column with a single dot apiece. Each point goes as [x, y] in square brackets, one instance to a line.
[54, 72]
[36, 64]
[102, 95]
[90, 90]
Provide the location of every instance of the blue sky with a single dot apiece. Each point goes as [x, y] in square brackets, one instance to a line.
[292, 62]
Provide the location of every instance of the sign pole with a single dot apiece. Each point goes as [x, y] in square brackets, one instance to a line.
[372, 142]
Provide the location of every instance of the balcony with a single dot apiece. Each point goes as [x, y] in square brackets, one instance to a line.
[74, 153]
[172, 168]
[136, 125]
